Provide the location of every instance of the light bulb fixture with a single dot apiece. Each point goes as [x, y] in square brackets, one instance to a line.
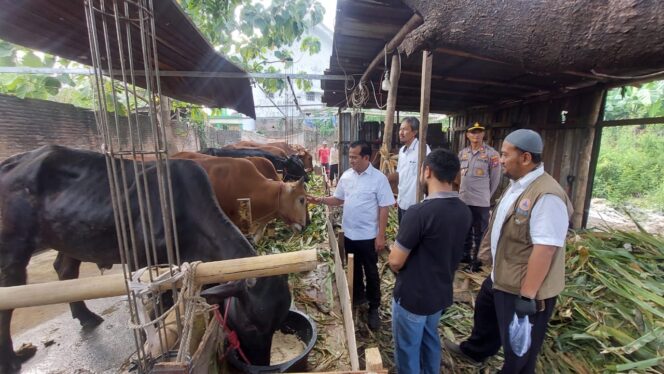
[385, 85]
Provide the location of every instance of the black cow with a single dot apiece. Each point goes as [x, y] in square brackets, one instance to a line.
[292, 166]
[56, 197]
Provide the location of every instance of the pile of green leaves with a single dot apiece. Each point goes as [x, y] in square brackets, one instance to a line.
[610, 317]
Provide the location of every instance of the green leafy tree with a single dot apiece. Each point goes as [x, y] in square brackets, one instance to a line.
[248, 33]
[254, 35]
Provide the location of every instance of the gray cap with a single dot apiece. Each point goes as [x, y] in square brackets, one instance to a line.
[526, 140]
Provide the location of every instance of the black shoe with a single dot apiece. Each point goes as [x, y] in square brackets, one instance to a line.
[373, 320]
[455, 349]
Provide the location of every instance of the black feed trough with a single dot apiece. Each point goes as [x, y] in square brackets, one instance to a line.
[296, 323]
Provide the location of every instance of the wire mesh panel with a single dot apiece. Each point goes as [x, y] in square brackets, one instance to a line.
[123, 50]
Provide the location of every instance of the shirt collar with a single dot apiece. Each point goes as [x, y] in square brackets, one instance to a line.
[368, 170]
[527, 179]
[443, 195]
[413, 145]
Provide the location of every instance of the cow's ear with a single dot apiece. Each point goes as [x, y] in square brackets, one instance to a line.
[301, 181]
[217, 294]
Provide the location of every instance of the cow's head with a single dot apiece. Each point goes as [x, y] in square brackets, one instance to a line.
[295, 168]
[307, 160]
[255, 312]
[293, 204]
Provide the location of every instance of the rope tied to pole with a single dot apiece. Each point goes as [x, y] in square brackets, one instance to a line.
[189, 304]
[388, 161]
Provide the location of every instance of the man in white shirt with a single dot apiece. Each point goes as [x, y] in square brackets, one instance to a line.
[527, 238]
[407, 165]
[366, 196]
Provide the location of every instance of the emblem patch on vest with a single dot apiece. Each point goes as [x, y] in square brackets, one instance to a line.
[523, 210]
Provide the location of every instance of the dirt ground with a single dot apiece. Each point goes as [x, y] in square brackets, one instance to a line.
[602, 215]
[62, 345]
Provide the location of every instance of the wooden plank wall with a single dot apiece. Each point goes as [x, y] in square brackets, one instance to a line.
[563, 141]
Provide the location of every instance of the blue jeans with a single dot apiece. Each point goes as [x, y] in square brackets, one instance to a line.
[416, 341]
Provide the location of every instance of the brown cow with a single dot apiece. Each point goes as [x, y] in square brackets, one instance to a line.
[235, 178]
[265, 167]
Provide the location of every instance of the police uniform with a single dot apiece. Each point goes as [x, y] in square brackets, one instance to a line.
[480, 177]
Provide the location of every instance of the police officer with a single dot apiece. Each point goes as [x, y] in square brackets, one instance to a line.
[480, 177]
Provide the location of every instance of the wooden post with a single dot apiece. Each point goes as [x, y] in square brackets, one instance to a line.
[342, 247]
[425, 100]
[170, 368]
[344, 297]
[349, 275]
[585, 156]
[245, 215]
[67, 291]
[373, 360]
[389, 114]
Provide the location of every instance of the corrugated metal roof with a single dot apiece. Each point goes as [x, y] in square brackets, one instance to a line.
[460, 81]
[59, 28]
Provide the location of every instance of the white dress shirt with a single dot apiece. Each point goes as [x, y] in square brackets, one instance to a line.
[548, 220]
[407, 169]
[362, 195]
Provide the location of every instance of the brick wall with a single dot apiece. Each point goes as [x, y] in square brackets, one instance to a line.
[26, 124]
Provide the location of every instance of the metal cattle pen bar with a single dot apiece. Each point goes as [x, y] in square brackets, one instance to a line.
[134, 15]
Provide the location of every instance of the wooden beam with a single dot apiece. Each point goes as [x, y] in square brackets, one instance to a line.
[244, 210]
[114, 285]
[594, 157]
[344, 295]
[372, 359]
[632, 122]
[483, 82]
[583, 171]
[453, 52]
[425, 99]
[455, 93]
[389, 114]
[412, 23]
[350, 269]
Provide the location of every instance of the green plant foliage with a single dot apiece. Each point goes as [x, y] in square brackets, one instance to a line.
[631, 158]
[631, 165]
[303, 84]
[635, 102]
[257, 32]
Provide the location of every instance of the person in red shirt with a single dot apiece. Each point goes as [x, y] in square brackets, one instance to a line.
[324, 157]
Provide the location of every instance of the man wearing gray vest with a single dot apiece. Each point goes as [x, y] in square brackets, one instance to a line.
[527, 238]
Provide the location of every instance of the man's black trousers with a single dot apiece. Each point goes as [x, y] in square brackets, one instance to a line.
[479, 225]
[366, 263]
[494, 311]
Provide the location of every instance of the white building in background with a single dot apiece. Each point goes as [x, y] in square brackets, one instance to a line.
[269, 119]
